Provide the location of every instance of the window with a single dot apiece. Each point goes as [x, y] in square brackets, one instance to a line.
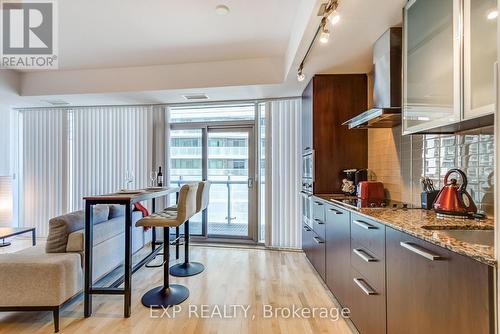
[212, 113]
[239, 164]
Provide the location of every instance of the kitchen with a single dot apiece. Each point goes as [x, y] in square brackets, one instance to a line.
[398, 201]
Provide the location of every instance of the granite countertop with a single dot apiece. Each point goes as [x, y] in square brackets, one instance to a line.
[425, 225]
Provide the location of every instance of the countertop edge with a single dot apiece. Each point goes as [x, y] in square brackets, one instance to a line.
[480, 258]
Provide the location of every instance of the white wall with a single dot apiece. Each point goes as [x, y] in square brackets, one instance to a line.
[4, 140]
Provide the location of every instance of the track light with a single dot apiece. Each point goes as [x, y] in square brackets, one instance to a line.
[300, 75]
[334, 18]
[325, 35]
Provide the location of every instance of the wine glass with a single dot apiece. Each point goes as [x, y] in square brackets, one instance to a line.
[129, 178]
[153, 176]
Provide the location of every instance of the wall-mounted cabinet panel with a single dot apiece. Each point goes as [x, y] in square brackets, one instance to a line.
[480, 56]
[431, 53]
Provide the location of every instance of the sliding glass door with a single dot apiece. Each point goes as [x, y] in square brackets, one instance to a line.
[231, 170]
[225, 156]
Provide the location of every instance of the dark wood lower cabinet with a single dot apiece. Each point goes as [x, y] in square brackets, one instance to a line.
[338, 265]
[307, 240]
[432, 290]
[367, 305]
[318, 254]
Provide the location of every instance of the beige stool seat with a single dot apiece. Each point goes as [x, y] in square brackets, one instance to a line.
[165, 218]
[170, 294]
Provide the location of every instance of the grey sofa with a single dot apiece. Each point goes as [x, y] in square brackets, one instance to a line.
[38, 278]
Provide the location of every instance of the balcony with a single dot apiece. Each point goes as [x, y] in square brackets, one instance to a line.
[228, 207]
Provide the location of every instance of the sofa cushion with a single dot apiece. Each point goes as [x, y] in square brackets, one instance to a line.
[102, 232]
[60, 227]
[116, 211]
[32, 277]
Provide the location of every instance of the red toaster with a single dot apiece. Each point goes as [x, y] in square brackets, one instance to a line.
[371, 190]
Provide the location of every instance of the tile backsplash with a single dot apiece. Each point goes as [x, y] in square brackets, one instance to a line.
[400, 161]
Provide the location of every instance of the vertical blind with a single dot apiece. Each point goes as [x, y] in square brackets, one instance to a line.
[105, 143]
[43, 167]
[71, 153]
[285, 171]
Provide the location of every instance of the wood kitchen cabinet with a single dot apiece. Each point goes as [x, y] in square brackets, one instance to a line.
[327, 102]
[338, 250]
[307, 240]
[318, 259]
[367, 279]
[432, 290]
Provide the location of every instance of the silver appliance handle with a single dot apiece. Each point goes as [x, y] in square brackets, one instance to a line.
[318, 240]
[364, 286]
[337, 212]
[364, 225]
[319, 221]
[363, 255]
[419, 250]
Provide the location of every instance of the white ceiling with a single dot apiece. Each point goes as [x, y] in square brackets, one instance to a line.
[154, 51]
[123, 33]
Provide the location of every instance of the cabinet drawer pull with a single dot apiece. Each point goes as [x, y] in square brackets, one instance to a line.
[318, 240]
[363, 255]
[336, 211]
[419, 250]
[318, 203]
[364, 286]
[364, 225]
[318, 221]
[307, 229]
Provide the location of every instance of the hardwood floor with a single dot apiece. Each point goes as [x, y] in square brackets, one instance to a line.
[233, 276]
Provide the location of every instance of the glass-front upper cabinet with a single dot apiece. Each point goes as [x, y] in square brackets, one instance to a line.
[431, 60]
[480, 56]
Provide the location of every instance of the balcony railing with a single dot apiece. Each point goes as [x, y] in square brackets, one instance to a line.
[228, 201]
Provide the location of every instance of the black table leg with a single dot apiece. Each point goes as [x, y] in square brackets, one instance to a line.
[128, 262]
[87, 297]
[153, 229]
[33, 237]
[4, 244]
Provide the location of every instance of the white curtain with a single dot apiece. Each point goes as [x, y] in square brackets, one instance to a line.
[71, 153]
[43, 167]
[285, 173]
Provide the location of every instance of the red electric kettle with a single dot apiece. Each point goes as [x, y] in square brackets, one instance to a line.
[453, 199]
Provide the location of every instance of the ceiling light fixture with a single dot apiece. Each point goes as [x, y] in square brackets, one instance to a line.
[300, 75]
[334, 17]
[329, 14]
[325, 33]
[222, 10]
[492, 15]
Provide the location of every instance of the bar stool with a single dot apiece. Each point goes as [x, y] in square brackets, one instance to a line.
[170, 294]
[188, 268]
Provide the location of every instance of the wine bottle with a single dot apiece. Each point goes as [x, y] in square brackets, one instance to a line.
[160, 177]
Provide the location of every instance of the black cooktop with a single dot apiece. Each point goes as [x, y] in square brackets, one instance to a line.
[358, 203]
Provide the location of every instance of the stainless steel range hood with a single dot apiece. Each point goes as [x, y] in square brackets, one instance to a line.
[386, 112]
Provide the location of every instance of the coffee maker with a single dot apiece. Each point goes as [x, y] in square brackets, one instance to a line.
[352, 177]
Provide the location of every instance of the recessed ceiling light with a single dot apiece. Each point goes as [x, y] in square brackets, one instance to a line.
[222, 10]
